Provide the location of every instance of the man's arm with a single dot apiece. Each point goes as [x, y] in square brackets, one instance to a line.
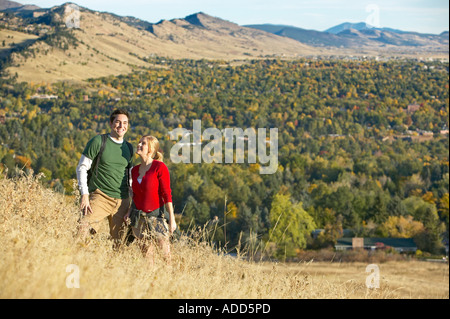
[84, 165]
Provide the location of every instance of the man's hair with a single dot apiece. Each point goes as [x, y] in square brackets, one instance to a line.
[117, 112]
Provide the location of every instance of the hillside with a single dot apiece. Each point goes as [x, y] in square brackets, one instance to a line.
[37, 228]
[210, 37]
[14, 41]
[44, 48]
[106, 44]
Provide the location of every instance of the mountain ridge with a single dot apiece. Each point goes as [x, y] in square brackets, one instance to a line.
[13, 6]
[348, 25]
[107, 44]
[365, 26]
[360, 36]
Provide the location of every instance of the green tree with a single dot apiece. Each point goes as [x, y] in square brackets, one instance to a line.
[290, 225]
[195, 213]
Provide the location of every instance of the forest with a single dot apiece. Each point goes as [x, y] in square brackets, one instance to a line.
[363, 146]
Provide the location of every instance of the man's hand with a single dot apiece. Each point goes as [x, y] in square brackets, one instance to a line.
[127, 215]
[85, 206]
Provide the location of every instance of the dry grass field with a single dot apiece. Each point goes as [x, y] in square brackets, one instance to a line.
[38, 250]
[12, 39]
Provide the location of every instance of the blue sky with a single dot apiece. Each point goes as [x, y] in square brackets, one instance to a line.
[425, 16]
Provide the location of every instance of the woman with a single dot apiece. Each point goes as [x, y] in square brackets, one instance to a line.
[152, 198]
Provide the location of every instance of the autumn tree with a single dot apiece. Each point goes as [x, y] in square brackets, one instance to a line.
[290, 225]
[401, 227]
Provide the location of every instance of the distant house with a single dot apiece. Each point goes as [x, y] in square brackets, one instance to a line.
[412, 108]
[44, 96]
[399, 244]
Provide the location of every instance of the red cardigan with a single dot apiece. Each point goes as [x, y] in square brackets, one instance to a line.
[154, 190]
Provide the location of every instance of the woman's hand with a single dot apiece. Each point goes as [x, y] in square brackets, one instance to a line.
[172, 226]
[172, 223]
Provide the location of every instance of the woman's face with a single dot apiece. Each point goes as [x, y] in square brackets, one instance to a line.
[143, 147]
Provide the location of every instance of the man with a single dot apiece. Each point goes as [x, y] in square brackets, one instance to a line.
[107, 195]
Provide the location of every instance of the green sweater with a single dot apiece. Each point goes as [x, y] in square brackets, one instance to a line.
[111, 177]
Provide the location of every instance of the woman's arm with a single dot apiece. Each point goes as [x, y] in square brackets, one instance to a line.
[172, 223]
[166, 194]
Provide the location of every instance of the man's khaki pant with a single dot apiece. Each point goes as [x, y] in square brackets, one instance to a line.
[103, 207]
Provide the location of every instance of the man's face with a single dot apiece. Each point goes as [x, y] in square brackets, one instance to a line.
[119, 126]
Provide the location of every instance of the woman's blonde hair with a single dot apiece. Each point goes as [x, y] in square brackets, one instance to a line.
[154, 147]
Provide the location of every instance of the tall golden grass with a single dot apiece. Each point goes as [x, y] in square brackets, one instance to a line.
[37, 228]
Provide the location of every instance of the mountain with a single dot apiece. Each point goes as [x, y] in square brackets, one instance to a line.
[310, 37]
[40, 44]
[5, 4]
[361, 36]
[106, 44]
[12, 6]
[348, 25]
[203, 35]
[361, 26]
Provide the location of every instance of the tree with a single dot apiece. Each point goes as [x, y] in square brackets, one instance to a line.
[395, 207]
[195, 212]
[419, 208]
[434, 229]
[401, 227]
[331, 233]
[443, 213]
[290, 225]
[443, 208]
